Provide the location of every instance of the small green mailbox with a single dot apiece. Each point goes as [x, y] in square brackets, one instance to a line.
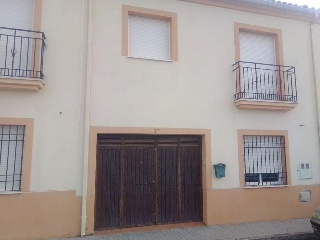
[220, 170]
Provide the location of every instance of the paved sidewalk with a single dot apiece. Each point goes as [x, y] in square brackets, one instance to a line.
[291, 229]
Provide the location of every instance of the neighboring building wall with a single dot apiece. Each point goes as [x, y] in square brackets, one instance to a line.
[51, 206]
[315, 33]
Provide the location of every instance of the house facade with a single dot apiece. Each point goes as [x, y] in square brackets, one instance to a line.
[117, 114]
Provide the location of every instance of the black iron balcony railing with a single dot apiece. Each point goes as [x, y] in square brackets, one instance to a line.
[258, 81]
[21, 53]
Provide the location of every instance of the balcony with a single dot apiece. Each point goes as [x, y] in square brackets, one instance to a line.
[265, 86]
[21, 59]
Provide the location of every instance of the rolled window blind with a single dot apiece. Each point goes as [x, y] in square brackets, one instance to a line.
[149, 38]
[16, 14]
[257, 48]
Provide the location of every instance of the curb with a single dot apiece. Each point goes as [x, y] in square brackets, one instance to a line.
[301, 236]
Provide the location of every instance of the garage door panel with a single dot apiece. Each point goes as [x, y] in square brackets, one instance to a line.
[191, 200]
[168, 211]
[139, 186]
[107, 214]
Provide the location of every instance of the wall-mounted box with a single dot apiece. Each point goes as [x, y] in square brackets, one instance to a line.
[305, 196]
[305, 170]
[220, 170]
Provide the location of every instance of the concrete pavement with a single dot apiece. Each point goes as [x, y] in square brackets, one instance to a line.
[281, 230]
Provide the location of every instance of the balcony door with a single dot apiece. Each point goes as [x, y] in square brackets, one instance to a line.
[259, 77]
[16, 46]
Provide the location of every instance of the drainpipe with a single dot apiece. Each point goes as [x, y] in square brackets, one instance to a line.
[87, 27]
[314, 71]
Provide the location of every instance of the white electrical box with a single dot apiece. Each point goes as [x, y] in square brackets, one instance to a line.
[305, 170]
[305, 196]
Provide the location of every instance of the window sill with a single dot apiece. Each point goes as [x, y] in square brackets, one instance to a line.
[265, 105]
[10, 193]
[152, 59]
[266, 186]
[25, 84]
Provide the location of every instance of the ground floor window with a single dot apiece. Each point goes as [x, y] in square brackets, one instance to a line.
[11, 156]
[264, 160]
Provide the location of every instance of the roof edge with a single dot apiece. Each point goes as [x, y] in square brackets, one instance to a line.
[266, 7]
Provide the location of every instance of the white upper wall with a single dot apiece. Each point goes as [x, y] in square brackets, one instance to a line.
[197, 90]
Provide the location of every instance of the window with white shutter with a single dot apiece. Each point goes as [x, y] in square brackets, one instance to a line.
[149, 34]
[255, 51]
[149, 38]
[257, 48]
[17, 14]
[11, 156]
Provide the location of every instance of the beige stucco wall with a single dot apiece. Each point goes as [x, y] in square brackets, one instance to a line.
[196, 91]
[41, 215]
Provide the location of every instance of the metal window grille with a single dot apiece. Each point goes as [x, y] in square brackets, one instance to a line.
[264, 160]
[11, 156]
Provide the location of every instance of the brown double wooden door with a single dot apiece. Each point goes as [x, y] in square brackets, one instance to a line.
[147, 180]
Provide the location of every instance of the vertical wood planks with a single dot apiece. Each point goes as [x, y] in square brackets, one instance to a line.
[147, 180]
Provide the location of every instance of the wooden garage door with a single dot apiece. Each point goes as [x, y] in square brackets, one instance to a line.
[147, 180]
